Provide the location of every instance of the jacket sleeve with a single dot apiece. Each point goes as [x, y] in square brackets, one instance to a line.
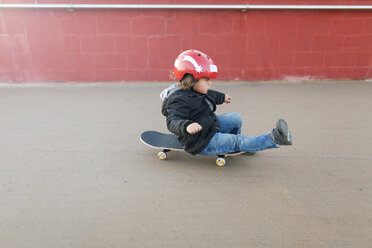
[218, 97]
[177, 113]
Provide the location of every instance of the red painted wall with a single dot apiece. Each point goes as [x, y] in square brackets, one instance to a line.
[141, 45]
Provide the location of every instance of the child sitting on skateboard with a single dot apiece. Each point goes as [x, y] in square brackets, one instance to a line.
[189, 109]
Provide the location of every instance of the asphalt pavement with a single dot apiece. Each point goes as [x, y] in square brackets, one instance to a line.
[74, 173]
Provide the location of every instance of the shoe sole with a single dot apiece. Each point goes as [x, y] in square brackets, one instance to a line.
[282, 127]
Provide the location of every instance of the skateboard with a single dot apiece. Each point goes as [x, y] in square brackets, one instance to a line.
[169, 142]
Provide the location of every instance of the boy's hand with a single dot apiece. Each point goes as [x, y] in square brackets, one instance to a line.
[193, 128]
[227, 99]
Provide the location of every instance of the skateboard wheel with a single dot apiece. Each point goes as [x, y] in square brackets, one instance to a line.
[162, 155]
[220, 162]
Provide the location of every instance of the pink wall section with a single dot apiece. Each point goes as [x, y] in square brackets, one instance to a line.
[141, 45]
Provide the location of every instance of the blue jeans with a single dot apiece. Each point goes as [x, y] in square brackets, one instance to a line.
[229, 138]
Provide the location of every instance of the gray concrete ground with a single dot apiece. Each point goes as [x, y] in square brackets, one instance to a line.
[73, 172]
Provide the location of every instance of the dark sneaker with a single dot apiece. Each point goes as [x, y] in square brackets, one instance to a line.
[281, 135]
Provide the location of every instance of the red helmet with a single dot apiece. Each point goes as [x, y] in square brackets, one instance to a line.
[196, 63]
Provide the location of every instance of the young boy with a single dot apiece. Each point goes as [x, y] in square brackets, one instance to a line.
[189, 108]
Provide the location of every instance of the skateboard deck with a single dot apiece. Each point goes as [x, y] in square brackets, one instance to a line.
[169, 142]
[159, 140]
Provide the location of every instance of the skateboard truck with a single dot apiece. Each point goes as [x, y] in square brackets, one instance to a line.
[221, 157]
[219, 162]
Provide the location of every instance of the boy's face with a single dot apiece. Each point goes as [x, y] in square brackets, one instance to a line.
[202, 86]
